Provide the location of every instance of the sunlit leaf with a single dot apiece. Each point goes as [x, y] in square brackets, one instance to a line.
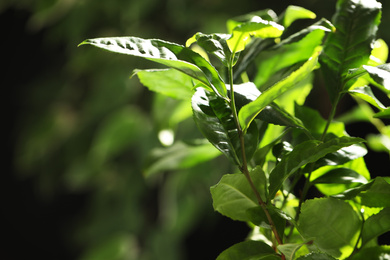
[293, 13]
[332, 223]
[256, 27]
[350, 45]
[233, 196]
[288, 250]
[168, 82]
[385, 114]
[380, 74]
[249, 250]
[169, 54]
[376, 225]
[266, 14]
[366, 94]
[377, 195]
[251, 110]
[316, 256]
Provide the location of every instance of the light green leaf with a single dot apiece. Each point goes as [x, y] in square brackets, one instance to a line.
[377, 195]
[350, 45]
[266, 14]
[256, 27]
[380, 75]
[377, 252]
[293, 13]
[214, 118]
[251, 110]
[304, 153]
[168, 82]
[288, 250]
[179, 156]
[249, 250]
[342, 176]
[316, 256]
[366, 94]
[376, 225]
[169, 54]
[332, 223]
[385, 114]
[233, 196]
[379, 53]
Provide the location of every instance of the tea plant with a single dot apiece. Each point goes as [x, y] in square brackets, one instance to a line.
[248, 101]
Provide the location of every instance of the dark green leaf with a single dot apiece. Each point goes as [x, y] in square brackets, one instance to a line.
[377, 195]
[332, 223]
[350, 45]
[168, 82]
[233, 196]
[251, 110]
[306, 152]
[258, 217]
[215, 120]
[166, 53]
[378, 252]
[376, 225]
[249, 250]
[179, 156]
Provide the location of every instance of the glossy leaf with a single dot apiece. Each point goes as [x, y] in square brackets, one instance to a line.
[214, 118]
[249, 250]
[179, 156]
[332, 223]
[233, 196]
[350, 45]
[168, 82]
[250, 111]
[293, 13]
[376, 225]
[169, 54]
[366, 94]
[215, 44]
[341, 175]
[377, 252]
[256, 27]
[380, 74]
[304, 153]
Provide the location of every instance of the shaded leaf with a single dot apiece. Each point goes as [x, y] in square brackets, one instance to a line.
[166, 53]
[179, 156]
[316, 256]
[249, 250]
[251, 110]
[215, 120]
[288, 250]
[332, 223]
[377, 195]
[377, 252]
[258, 217]
[376, 225]
[306, 152]
[385, 114]
[350, 45]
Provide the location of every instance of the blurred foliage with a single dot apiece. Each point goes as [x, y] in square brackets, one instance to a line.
[84, 127]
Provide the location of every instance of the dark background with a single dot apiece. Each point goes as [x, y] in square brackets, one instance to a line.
[56, 203]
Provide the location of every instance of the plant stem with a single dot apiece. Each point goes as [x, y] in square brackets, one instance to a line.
[244, 164]
[330, 118]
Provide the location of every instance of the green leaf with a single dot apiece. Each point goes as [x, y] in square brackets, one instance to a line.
[377, 195]
[366, 94]
[316, 256]
[251, 110]
[376, 225]
[385, 114]
[258, 217]
[341, 175]
[233, 196]
[350, 45]
[293, 13]
[168, 82]
[215, 44]
[179, 156]
[249, 250]
[256, 27]
[332, 223]
[214, 118]
[169, 54]
[378, 252]
[304, 153]
[266, 14]
[287, 53]
[380, 75]
[288, 250]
